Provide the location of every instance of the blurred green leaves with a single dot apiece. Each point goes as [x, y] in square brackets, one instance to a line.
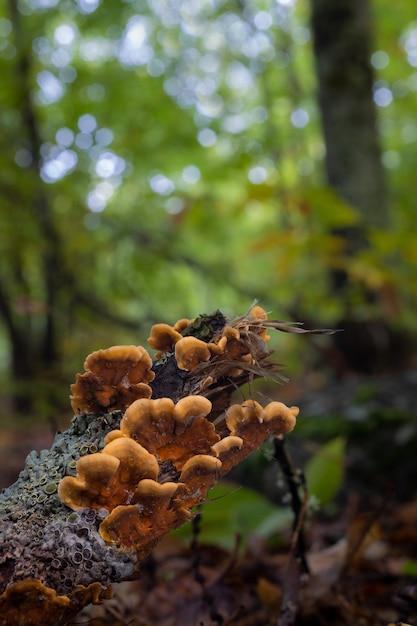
[231, 511]
[181, 162]
[324, 472]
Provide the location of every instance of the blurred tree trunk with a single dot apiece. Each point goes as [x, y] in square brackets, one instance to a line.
[342, 33]
[31, 320]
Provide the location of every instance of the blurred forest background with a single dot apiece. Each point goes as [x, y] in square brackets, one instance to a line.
[165, 158]
[160, 159]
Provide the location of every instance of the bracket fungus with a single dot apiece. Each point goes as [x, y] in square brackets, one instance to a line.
[170, 431]
[147, 442]
[107, 479]
[190, 352]
[163, 337]
[113, 379]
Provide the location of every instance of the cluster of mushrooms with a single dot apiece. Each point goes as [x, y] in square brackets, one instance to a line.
[166, 455]
[149, 438]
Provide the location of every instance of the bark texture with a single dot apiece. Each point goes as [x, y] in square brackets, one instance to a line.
[342, 33]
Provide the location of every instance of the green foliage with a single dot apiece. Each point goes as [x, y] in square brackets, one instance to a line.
[232, 511]
[175, 178]
[324, 472]
[410, 568]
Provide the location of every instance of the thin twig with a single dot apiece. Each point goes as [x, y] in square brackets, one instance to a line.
[294, 479]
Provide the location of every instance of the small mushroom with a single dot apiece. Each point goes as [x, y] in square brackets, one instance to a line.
[191, 407]
[114, 378]
[94, 483]
[190, 352]
[136, 463]
[31, 602]
[170, 432]
[139, 526]
[199, 474]
[278, 414]
[254, 424]
[228, 450]
[239, 416]
[163, 337]
[108, 478]
[182, 324]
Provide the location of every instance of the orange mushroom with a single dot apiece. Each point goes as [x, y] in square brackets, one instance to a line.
[163, 337]
[138, 526]
[254, 424]
[199, 474]
[31, 602]
[182, 324]
[260, 315]
[136, 463]
[114, 378]
[108, 478]
[96, 480]
[258, 312]
[228, 450]
[190, 352]
[170, 432]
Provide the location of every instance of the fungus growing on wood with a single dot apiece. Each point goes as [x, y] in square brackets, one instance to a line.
[160, 458]
[31, 603]
[108, 478]
[170, 431]
[163, 337]
[182, 324]
[155, 512]
[199, 475]
[94, 482]
[113, 379]
[190, 352]
[228, 450]
[254, 424]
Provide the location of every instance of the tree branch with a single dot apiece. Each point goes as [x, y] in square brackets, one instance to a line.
[86, 512]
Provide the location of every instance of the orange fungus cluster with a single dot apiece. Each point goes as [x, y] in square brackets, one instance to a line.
[113, 379]
[166, 455]
[162, 462]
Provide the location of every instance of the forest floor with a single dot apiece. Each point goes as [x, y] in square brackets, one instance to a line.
[359, 564]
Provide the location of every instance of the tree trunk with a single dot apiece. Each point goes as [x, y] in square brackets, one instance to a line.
[342, 43]
[342, 34]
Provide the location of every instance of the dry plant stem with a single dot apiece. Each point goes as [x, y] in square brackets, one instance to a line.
[198, 575]
[297, 563]
[291, 590]
[294, 478]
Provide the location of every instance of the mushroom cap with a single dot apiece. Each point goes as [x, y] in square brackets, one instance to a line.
[171, 432]
[239, 416]
[192, 407]
[258, 312]
[31, 602]
[190, 352]
[94, 483]
[277, 413]
[182, 324]
[199, 474]
[163, 337]
[114, 378]
[136, 463]
[139, 526]
[254, 424]
[118, 361]
[109, 478]
[149, 494]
